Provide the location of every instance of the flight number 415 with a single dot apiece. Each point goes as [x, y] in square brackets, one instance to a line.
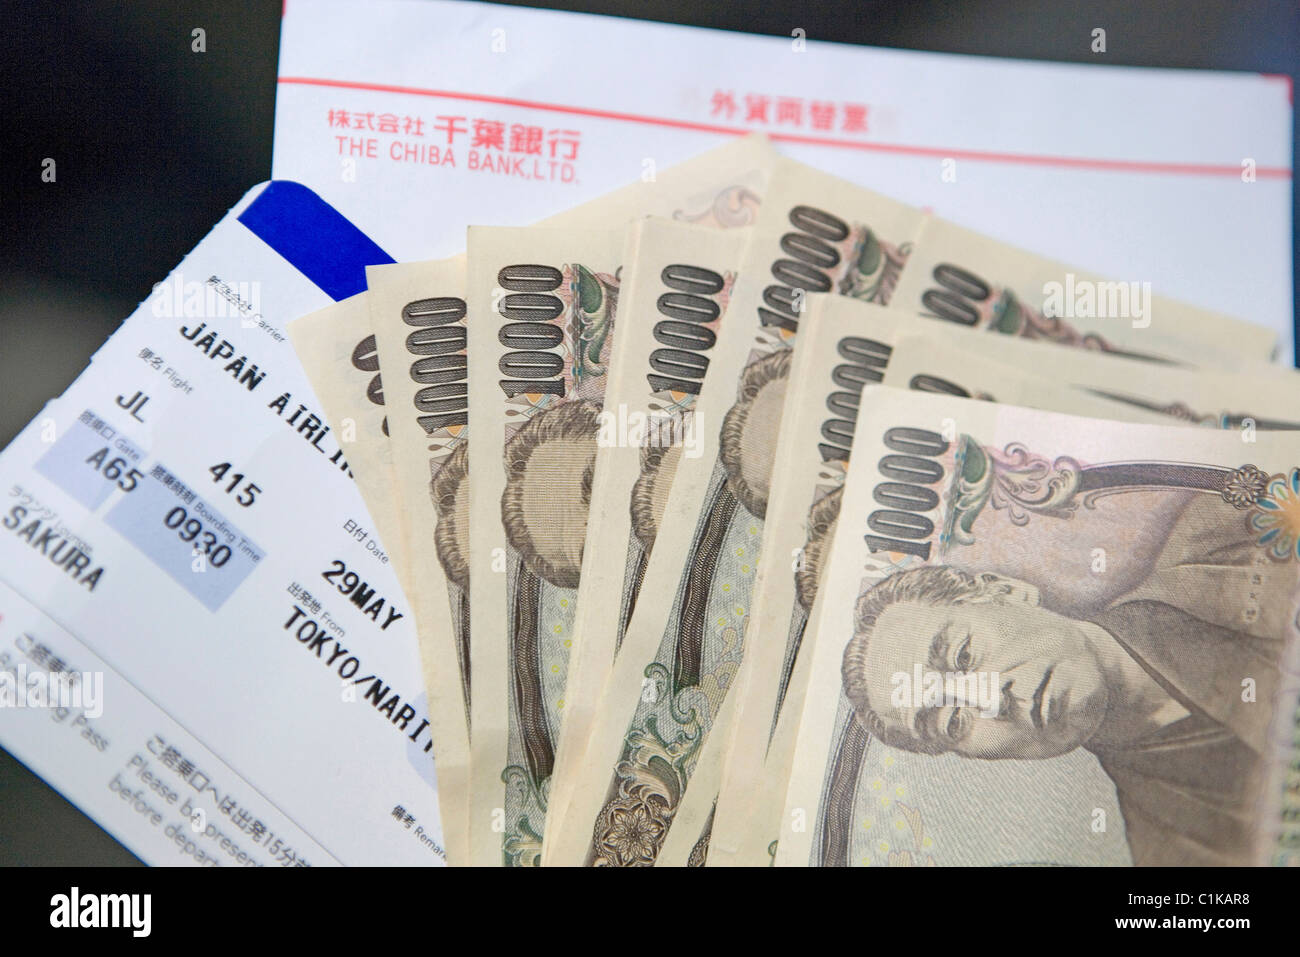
[245, 495]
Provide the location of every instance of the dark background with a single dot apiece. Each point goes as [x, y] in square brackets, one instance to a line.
[153, 143]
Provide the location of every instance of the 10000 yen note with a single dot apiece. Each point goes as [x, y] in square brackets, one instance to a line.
[418, 314]
[1048, 639]
[844, 345]
[721, 188]
[681, 652]
[929, 356]
[1257, 396]
[542, 306]
[678, 282]
[430, 454]
[973, 280]
[337, 350]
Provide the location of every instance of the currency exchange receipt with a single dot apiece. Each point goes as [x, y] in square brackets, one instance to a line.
[424, 118]
[203, 645]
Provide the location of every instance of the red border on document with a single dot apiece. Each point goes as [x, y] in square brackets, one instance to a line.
[1027, 159]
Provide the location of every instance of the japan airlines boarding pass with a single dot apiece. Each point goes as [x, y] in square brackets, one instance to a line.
[203, 644]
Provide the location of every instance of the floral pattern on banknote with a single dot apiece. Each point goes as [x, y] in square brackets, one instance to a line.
[730, 208]
[699, 654]
[1022, 483]
[1012, 479]
[657, 762]
[870, 266]
[1276, 516]
[1004, 312]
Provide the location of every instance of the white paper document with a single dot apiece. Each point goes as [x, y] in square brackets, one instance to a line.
[203, 645]
[420, 118]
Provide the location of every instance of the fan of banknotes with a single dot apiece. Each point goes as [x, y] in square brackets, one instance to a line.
[751, 517]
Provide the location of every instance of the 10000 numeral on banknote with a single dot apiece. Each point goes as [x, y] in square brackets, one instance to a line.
[1050, 640]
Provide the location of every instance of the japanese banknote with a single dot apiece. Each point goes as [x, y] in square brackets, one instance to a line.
[1047, 639]
[622, 610]
[681, 653]
[681, 278]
